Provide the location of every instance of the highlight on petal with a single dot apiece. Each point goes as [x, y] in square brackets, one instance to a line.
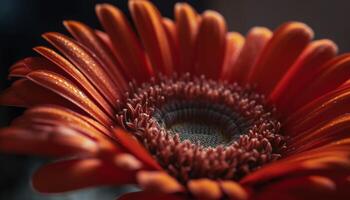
[88, 37]
[125, 43]
[255, 41]
[71, 72]
[158, 181]
[69, 91]
[68, 175]
[127, 161]
[205, 189]
[301, 73]
[87, 64]
[187, 23]
[148, 22]
[210, 45]
[286, 44]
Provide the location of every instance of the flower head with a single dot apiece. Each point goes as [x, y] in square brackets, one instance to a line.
[184, 109]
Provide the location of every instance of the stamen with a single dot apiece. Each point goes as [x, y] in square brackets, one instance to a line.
[200, 128]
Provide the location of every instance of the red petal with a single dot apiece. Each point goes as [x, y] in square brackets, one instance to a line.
[23, 67]
[300, 73]
[210, 45]
[170, 30]
[234, 44]
[135, 148]
[151, 196]
[187, 22]
[89, 66]
[125, 42]
[79, 173]
[24, 93]
[76, 76]
[46, 141]
[256, 39]
[69, 91]
[279, 54]
[148, 22]
[330, 76]
[87, 37]
[320, 110]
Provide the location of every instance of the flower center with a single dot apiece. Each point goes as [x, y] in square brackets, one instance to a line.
[206, 123]
[200, 128]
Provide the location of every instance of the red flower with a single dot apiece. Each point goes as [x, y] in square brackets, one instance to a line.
[179, 110]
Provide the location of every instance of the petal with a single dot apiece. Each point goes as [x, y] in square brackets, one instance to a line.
[234, 44]
[306, 187]
[321, 110]
[74, 174]
[88, 37]
[88, 65]
[158, 181]
[210, 45]
[135, 148]
[187, 22]
[66, 117]
[145, 195]
[287, 42]
[69, 91]
[330, 131]
[24, 93]
[255, 41]
[148, 22]
[299, 74]
[76, 76]
[125, 42]
[23, 67]
[234, 190]
[331, 75]
[204, 189]
[170, 30]
[46, 141]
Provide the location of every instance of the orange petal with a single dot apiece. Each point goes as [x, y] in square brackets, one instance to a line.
[148, 22]
[127, 161]
[125, 42]
[46, 141]
[331, 75]
[158, 181]
[135, 148]
[69, 91]
[325, 133]
[303, 188]
[67, 118]
[204, 189]
[23, 67]
[187, 27]
[76, 76]
[170, 30]
[234, 190]
[300, 73]
[234, 44]
[145, 195]
[88, 37]
[74, 174]
[287, 42]
[24, 93]
[322, 109]
[210, 45]
[88, 65]
[255, 41]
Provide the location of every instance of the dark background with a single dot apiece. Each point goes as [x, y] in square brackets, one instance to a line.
[23, 21]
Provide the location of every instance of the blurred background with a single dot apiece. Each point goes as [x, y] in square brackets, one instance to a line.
[23, 21]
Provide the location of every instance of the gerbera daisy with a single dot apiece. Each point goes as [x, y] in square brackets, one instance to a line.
[184, 109]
